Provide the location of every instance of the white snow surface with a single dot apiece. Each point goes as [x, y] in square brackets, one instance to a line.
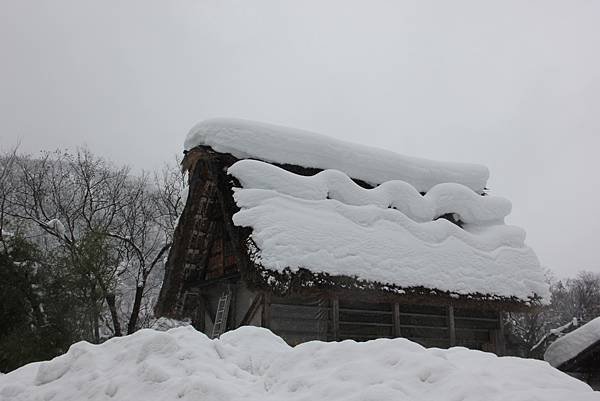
[333, 184]
[253, 364]
[248, 139]
[573, 343]
[165, 323]
[326, 223]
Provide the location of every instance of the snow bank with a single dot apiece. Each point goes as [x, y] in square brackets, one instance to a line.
[328, 224]
[272, 143]
[573, 343]
[165, 323]
[253, 364]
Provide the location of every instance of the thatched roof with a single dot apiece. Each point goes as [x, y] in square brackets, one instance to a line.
[391, 238]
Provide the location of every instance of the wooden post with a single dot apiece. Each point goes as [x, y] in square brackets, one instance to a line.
[252, 309]
[201, 315]
[500, 345]
[451, 325]
[232, 304]
[396, 319]
[207, 308]
[335, 318]
[266, 310]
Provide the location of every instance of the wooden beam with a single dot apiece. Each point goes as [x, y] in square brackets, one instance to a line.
[201, 316]
[266, 310]
[251, 312]
[335, 318]
[233, 289]
[343, 292]
[371, 324]
[451, 325]
[396, 319]
[370, 312]
[208, 308]
[500, 345]
[415, 326]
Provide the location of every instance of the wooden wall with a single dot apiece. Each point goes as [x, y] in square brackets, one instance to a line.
[299, 319]
[221, 257]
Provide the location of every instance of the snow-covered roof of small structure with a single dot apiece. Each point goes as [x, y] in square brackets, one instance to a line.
[248, 139]
[574, 343]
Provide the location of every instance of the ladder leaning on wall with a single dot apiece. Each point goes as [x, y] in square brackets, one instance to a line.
[222, 314]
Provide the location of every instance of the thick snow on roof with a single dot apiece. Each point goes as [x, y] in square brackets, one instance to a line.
[253, 364]
[572, 344]
[272, 143]
[326, 223]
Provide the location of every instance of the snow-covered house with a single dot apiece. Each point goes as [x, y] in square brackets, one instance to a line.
[317, 238]
[578, 353]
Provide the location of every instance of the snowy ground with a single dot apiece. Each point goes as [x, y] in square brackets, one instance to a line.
[253, 364]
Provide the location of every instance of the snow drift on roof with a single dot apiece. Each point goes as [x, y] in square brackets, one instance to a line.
[328, 224]
[253, 364]
[572, 344]
[272, 143]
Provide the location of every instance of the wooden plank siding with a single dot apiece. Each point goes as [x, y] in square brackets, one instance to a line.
[298, 320]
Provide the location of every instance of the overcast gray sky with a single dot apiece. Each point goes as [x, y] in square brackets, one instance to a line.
[511, 84]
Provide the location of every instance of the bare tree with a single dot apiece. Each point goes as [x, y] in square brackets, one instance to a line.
[585, 290]
[7, 185]
[573, 301]
[85, 203]
[145, 233]
[76, 199]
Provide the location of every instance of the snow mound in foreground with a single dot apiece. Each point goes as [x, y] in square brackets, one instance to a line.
[254, 364]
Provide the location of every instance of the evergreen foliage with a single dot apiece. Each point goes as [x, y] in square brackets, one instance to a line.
[36, 309]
